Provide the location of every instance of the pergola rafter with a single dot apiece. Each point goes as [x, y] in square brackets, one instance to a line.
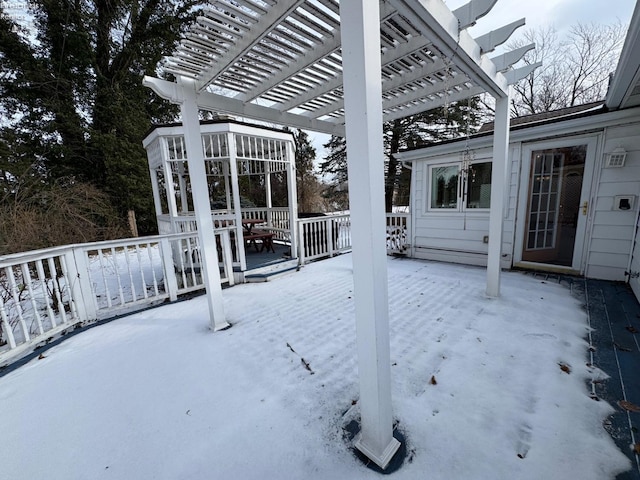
[287, 56]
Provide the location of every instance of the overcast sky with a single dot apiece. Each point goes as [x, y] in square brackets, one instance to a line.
[559, 13]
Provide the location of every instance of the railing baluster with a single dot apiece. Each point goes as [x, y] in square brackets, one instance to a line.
[53, 272]
[16, 300]
[193, 255]
[69, 282]
[156, 290]
[42, 278]
[107, 292]
[117, 270]
[145, 294]
[26, 279]
[6, 326]
[131, 282]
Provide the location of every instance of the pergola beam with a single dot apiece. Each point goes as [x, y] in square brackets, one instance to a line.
[514, 76]
[277, 13]
[469, 13]
[329, 46]
[423, 106]
[506, 60]
[489, 41]
[435, 21]
[219, 103]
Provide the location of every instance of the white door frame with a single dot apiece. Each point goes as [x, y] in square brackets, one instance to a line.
[578, 261]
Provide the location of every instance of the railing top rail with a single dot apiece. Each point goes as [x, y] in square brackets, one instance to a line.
[35, 255]
[323, 217]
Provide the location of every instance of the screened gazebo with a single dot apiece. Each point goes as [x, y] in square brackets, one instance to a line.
[251, 183]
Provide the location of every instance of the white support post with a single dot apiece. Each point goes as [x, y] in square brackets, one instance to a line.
[202, 205]
[360, 30]
[292, 201]
[170, 281]
[169, 185]
[237, 208]
[499, 171]
[267, 189]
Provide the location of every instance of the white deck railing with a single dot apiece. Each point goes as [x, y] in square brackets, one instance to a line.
[325, 236]
[45, 293]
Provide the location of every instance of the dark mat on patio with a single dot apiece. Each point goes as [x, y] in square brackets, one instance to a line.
[614, 314]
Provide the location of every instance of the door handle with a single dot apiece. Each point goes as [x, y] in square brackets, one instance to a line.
[585, 207]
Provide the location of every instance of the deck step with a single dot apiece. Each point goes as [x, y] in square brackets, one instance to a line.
[269, 272]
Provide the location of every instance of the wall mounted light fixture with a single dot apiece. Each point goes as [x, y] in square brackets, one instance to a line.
[616, 158]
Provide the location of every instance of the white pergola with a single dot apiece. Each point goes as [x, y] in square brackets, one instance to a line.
[343, 68]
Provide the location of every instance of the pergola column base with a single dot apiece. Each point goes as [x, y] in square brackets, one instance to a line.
[218, 327]
[381, 459]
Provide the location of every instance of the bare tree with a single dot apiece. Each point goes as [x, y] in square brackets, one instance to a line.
[575, 70]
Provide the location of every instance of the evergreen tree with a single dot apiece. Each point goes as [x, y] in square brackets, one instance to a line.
[71, 95]
[453, 121]
[306, 180]
[334, 165]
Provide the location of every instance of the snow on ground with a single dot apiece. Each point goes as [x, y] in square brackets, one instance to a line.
[156, 395]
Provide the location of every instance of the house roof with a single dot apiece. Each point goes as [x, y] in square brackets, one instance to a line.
[281, 61]
[217, 121]
[546, 117]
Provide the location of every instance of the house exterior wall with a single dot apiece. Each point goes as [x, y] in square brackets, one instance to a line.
[613, 232]
[610, 234]
[458, 236]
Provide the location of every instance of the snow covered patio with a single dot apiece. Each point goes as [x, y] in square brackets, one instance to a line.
[482, 388]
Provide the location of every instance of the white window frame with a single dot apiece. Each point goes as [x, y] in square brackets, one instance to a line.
[461, 201]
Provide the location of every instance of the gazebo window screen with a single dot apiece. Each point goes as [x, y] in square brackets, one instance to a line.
[162, 190]
[176, 148]
[254, 154]
[215, 145]
[260, 148]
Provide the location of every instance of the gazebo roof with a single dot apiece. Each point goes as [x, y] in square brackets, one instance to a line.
[281, 61]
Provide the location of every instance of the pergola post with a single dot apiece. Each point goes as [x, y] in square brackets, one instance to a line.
[168, 181]
[267, 189]
[202, 205]
[360, 31]
[292, 200]
[499, 171]
[235, 191]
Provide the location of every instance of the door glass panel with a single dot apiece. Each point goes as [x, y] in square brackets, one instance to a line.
[553, 206]
[444, 186]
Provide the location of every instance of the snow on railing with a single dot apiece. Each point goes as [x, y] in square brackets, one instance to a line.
[45, 293]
